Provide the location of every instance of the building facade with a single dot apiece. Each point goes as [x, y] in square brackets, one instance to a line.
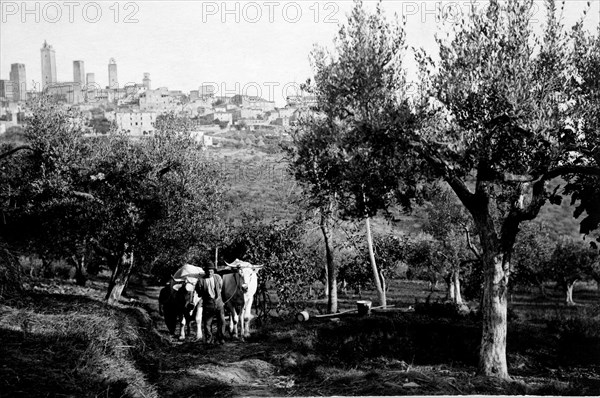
[90, 79]
[245, 101]
[7, 92]
[220, 117]
[207, 91]
[156, 100]
[65, 92]
[136, 123]
[48, 65]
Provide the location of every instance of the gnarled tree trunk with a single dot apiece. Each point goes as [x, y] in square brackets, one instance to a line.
[332, 297]
[80, 270]
[119, 278]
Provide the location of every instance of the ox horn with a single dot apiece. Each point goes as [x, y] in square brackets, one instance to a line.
[235, 264]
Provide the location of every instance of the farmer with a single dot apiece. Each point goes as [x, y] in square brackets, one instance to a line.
[209, 289]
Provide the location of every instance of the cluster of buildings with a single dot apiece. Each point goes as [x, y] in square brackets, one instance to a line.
[134, 107]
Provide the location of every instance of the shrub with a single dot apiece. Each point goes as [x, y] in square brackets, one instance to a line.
[578, 337]
[289, 265]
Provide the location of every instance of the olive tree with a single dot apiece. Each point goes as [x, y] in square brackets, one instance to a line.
[571, 261]
[359, 88]
[532, 252]
[315, 165]
[161, 196]
[502, 113]
[45, 208]
[519, 113]
[451, 227]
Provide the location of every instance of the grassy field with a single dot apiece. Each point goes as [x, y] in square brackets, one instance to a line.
[62, 340]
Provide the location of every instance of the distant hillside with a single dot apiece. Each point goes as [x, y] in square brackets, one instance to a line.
[259, 184]
[559, 219]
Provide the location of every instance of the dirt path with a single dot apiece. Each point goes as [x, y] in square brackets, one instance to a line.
[191, 368]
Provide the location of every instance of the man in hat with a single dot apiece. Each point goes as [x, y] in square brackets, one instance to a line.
[209, 289]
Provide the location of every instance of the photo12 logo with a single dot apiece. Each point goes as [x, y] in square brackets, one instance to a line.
[69, 11]
[453, 12]
[270, 11]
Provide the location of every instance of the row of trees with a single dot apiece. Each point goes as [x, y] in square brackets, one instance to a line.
[542, 257]
[503, 112]
[68, 196]
[134, 206]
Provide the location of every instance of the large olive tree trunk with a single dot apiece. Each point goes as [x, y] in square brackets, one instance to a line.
[332, 297]
[492, 355]
[496, 249]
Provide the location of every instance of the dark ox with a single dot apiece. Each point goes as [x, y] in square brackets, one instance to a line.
[178, 303]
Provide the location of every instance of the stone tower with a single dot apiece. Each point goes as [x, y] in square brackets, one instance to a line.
[19, 81]
[48, 65]
[146, 81]
[113, 82]
[78, 72]
[90, 79]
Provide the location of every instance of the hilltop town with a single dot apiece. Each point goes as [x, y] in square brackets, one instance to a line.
[133, 107]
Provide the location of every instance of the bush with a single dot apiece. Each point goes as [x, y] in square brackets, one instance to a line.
[355, 269]
[412, 338]
[289, 266]
[443, 310]
[578, 337]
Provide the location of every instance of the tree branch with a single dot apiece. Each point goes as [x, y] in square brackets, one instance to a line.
[87, 196]
[471, 245]
[571, 169]
[14, 150]
[458, 186]
[510, 177]
[539, 195]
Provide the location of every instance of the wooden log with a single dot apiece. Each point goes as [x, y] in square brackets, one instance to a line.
[349, 311]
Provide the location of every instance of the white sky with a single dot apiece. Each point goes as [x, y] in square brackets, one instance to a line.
[183, 44]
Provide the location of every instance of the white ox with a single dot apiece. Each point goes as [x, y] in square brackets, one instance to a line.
[238, 292]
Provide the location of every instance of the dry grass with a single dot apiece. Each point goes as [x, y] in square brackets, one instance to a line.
[63, 345]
